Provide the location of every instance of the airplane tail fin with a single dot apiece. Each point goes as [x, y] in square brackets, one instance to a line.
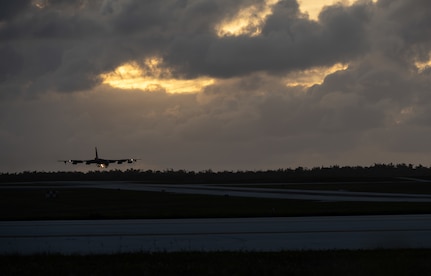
[97, 156]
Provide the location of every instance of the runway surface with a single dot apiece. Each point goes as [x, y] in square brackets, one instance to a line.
[244, 234]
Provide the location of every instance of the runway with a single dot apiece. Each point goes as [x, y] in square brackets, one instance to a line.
[236, 234]
[243, 234]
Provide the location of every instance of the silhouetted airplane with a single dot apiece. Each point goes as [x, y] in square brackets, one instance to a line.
[101, 163]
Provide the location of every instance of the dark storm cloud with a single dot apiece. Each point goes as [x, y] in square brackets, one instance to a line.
[171, 17]
[289, 41]
[377, 110]
[9, 9]
[410, 19]
[87, 38]
[11, 62]
[385, 76]
[91, 39]
[401, 31]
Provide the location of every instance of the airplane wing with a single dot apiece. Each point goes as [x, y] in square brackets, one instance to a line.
[121, 161]
[100, 161]
[74, 162]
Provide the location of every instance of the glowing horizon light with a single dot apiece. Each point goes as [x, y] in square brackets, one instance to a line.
[314, 75]
[152, 77]
[247, 21]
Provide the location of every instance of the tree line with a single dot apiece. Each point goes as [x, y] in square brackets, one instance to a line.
[299, 174]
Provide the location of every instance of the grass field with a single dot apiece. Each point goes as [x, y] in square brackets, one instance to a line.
[32, 204]
[400, 187]
[375, 262]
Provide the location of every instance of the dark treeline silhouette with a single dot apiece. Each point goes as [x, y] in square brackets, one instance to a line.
[300, 174]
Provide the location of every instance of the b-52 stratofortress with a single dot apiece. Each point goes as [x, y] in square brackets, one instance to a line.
[101, 163]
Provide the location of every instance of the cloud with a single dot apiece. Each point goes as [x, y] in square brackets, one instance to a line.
[9, 9]
[67, 45]
[96, 37]
[373, 109]
[289, 41]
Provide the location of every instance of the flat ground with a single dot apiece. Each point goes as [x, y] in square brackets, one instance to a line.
[35, 203]
[38, 202]
[375, 262]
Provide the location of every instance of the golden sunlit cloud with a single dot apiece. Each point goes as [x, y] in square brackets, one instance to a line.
[314, 7]
[152, 77]
[39, 3]
[247, 21]
[421, 66]
[313, 76]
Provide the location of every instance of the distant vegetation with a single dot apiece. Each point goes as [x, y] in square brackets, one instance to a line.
[300, 174]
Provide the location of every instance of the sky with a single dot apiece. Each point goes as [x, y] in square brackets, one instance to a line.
[214, 84]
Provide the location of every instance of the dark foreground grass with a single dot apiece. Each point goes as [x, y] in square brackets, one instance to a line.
[31, 204]
[374, 262]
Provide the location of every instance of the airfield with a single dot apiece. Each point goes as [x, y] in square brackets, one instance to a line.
[257, 217]
[239, 234]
